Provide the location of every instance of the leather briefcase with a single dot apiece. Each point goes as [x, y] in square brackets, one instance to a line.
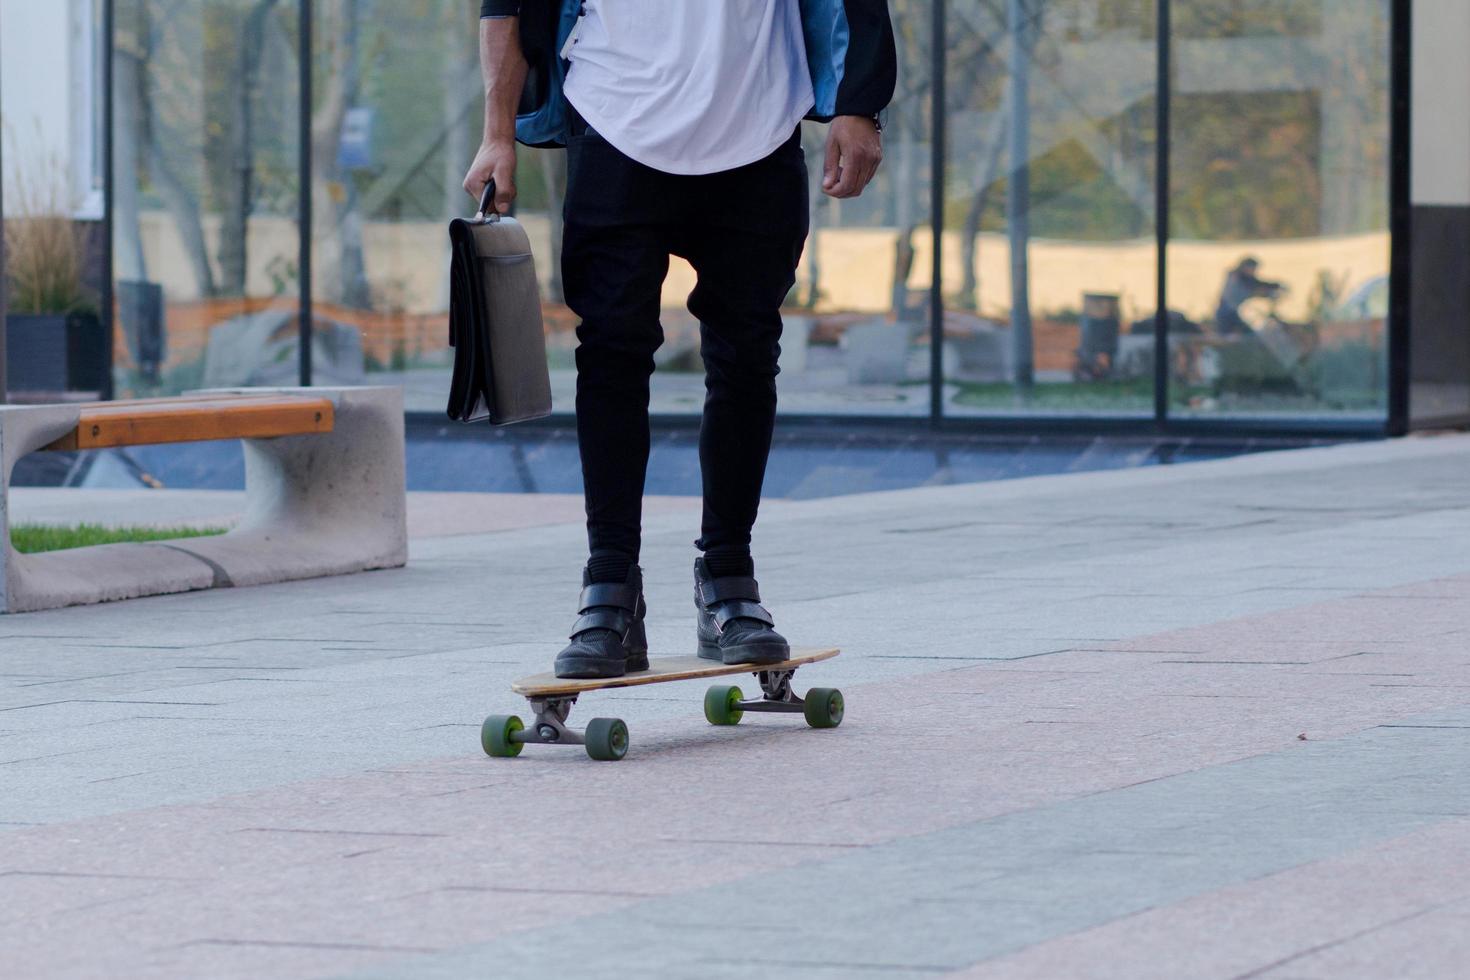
[495, 325]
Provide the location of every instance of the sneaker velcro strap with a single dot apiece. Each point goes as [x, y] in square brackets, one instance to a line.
[731, 587]
[740, 609]
[603, 618]
[619, 594]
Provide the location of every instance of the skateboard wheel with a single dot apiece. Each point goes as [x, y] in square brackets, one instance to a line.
[823, 707]
[495, 736]
[721, 705]
[607, 739]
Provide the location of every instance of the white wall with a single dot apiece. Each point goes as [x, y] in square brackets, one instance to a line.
[46, 110]
[1441, 103]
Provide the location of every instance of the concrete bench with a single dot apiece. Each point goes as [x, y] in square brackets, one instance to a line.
[324, 489]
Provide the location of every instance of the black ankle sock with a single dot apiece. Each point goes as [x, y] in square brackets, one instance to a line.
[609, 568]
[726, 566]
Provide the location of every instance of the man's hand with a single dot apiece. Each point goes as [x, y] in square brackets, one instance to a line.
[497, 160]
[854, 150]
[503, 68]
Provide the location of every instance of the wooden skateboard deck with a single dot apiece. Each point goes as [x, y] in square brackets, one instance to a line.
[552, 697]
[661, 669]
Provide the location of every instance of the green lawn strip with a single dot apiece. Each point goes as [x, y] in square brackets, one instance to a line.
[1134, 395]
[31, 538]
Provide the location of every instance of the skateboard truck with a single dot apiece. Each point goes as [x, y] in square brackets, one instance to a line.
[549, 725]
[822, 706]
[776, 693]
[551, 699]
[606, 739]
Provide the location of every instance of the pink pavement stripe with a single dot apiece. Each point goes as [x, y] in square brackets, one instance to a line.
[330, 875]
[1339, 918]
[1407, 613]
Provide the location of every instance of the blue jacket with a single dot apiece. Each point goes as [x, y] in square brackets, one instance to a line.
[849, 48]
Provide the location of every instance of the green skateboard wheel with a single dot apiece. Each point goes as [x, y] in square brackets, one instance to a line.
[721, 705]
[823, 708]
[607, 739]
[495, 736]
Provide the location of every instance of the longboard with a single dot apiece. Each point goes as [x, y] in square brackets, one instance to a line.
[606, 739]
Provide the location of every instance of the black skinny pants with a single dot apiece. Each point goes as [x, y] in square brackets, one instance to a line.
[743, 231]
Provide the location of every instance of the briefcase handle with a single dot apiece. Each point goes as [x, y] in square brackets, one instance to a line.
[487, 214]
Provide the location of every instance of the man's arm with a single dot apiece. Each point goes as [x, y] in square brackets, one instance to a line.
[503, 68]
[854, 147]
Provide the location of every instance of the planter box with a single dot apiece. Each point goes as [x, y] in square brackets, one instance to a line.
[876, 352]
[55, 353]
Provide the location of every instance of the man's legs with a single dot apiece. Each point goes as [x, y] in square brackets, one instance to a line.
[745, 257]
[743, 280]
[745, 252]
[613, 277]
[614, 257]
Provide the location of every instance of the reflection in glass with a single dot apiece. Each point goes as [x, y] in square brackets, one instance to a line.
[855, 334]
[1279, 248]
[1050, 262]
[1277, 265]
[205, 240]
[395, 116]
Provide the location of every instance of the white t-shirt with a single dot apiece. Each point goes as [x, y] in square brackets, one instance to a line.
[691, 86]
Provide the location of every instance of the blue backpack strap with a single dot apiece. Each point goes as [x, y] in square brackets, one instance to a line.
[546, 122]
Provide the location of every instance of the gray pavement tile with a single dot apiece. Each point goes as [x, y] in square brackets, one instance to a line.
[1428, 944]
[936, 902]
[1204, 562]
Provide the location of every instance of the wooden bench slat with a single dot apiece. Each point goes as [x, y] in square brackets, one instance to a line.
[175, 406]
[156, 421]
[218, 396]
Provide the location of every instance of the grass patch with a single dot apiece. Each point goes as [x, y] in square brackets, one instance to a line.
[31, 538]
[1080, 397]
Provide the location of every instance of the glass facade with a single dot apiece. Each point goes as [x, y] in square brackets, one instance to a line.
[1050, 257]
[205, 194]
[1262, 127]
[855, 340]
[1279, 207]
[394, 97]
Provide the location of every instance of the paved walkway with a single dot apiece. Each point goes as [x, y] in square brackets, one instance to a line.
[1209, 721]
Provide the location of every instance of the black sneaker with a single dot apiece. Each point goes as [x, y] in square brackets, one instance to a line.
[733, 626]
[608, 639]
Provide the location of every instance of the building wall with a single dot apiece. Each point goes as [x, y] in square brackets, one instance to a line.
[1440, 195]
